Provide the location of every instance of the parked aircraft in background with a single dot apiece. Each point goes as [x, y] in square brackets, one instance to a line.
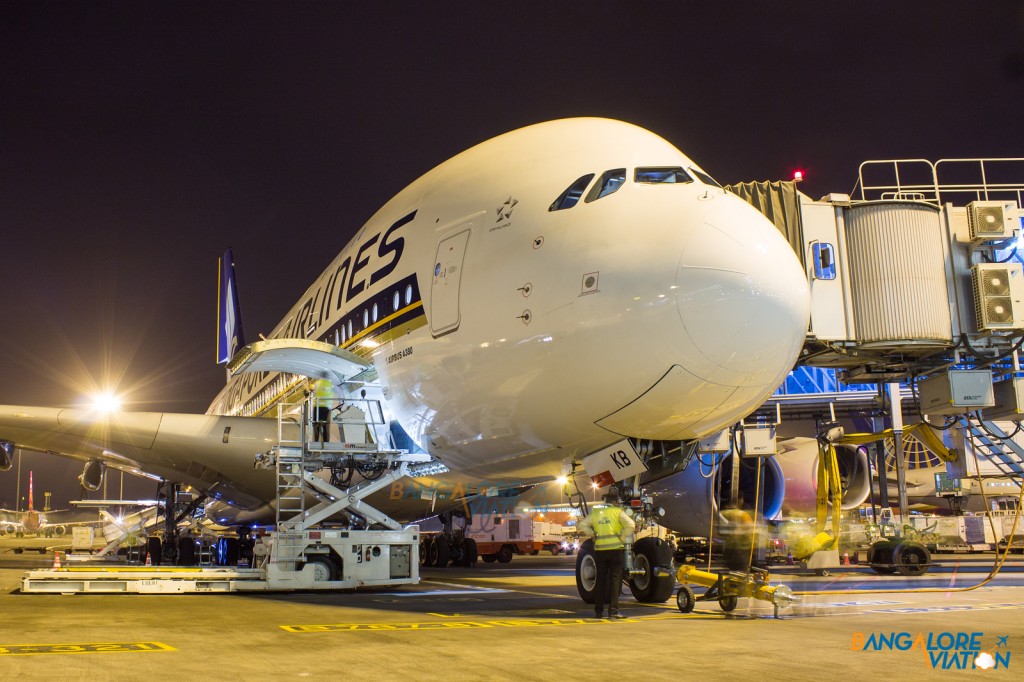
[48, 523]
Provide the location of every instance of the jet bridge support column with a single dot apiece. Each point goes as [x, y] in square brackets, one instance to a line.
[880, 470]
[896, 404]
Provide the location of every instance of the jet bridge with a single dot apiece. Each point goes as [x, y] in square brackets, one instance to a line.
[917, 277]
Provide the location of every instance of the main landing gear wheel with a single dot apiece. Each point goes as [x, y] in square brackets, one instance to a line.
[469, 552]
[685, 599]
[655, 583]
[437, 553]
[153, 546]
[586, 572]
[186, 551]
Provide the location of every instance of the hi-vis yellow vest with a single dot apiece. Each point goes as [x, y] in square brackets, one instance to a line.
[607, 528]
[324, 391]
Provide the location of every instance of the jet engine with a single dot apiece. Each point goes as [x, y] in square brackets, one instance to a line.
[91, 477]
[689, 497]
[6, 455]
[798, 459]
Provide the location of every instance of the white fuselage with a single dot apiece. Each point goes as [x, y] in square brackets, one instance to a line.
[518, 316]
[662, 311]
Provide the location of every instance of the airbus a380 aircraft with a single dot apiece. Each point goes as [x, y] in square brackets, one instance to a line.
[541, 296]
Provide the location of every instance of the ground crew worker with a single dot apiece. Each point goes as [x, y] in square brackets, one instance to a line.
[610, 527]
[737, 534]
[325, 398]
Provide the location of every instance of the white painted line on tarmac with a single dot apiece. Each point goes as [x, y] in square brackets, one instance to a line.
[443, 593]
[461, 590]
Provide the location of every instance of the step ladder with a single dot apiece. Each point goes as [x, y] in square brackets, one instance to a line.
[290, 465]
[989, 441]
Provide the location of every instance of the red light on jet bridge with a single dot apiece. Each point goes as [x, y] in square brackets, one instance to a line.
[798, 175]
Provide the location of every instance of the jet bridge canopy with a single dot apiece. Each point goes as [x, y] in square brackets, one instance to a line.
[298, 356]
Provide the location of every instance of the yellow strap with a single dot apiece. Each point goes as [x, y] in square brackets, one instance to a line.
[829, 489]
[922, 431]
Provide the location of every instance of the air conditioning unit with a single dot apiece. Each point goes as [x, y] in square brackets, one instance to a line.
[991, 220]
[998, 296]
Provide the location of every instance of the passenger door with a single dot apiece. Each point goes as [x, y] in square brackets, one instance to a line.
[445, 314]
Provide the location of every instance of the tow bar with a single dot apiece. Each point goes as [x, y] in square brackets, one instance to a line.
[727, 588]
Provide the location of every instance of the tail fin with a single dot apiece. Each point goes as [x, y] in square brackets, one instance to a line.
[30, 505]
[229, 316]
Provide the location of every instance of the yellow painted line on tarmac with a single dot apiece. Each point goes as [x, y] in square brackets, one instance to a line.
[533, 594]
[474, 588]
[94, 648]
[211, 570]
[383, 627]
[471, 624]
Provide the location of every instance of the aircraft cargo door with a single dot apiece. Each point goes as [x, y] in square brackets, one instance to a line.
[444, 287]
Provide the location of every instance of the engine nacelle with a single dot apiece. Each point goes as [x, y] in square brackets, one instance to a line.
[6, 455]
[91, 477]
[688, 497]
[798, 459]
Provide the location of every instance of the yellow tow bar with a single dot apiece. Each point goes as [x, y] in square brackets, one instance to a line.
[727, 588]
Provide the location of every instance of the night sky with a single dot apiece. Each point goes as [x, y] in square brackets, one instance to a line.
[140, 139]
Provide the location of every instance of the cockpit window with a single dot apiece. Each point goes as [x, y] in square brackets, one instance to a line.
[661, 176]
[609, 183]
[704, 177]
[571, 196]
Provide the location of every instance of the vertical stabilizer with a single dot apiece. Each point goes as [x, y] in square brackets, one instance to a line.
[229, 317]
[30, 503]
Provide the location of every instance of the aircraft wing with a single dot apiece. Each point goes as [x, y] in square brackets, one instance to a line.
[214, 454]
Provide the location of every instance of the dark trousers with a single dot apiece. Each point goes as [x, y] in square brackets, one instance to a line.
[321, 424]
[610, 564]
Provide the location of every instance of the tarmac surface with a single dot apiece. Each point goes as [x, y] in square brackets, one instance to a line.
[521, 621]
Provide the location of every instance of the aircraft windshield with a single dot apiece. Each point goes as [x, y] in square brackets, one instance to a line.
[661, 176]
[571, 196]
[609, 183]
[704, 177]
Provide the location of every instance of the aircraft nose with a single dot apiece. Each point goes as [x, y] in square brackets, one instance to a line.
[742, 296]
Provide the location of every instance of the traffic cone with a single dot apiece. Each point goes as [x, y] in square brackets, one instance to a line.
[149, 559]
[56, 559]
[846, 558]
